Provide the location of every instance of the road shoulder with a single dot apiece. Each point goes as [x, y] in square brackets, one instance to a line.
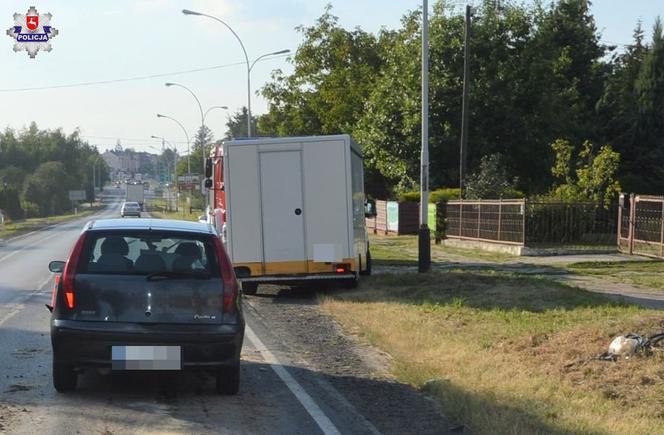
[350, 379]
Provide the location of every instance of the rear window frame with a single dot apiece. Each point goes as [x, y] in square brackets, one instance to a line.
[93, 235]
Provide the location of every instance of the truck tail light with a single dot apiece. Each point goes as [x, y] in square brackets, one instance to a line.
[227, 275]
[342, 268]
[69, 274]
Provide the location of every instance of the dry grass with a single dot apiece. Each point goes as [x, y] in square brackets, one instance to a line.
[36, 223]
[157, 209]
[402, 250]
[511, 355]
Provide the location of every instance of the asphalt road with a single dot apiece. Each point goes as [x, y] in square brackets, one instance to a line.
[278, 393]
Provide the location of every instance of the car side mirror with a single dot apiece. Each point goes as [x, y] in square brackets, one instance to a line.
[208, 167]
[56, 266]
[369, 210]
[208, 183]
[242, 272]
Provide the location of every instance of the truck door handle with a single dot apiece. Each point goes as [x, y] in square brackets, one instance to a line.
[298, 211]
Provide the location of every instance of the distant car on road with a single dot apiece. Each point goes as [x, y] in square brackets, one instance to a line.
[146, 295]
[130, 209]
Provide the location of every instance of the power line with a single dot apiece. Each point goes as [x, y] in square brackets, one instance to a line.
[125, 139]
[132, 79]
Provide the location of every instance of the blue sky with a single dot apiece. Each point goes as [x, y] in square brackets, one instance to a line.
[105, 40]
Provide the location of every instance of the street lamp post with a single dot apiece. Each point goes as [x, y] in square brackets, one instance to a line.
[175, 163]
[200, 108]
[424, 239]
[246, 57]
[94, 176]
[213, 107]
[184, 130]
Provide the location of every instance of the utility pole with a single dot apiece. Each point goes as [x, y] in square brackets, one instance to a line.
[424, 240]
[93, 182]
[465, 114]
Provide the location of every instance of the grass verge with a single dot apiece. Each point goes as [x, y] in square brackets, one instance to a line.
[157, 209]
[648, 273]
[505, 354]
[402, 251]
[32, 224]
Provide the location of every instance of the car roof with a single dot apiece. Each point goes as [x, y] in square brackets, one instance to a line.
[150, 225]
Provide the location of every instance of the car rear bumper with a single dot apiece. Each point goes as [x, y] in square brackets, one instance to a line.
[89, 343]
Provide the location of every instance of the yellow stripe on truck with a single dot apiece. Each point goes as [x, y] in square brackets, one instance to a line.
[293, 267]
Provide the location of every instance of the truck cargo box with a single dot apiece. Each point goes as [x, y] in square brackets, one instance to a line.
[295, 209]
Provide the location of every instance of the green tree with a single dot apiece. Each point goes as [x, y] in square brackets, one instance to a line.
[333, 69]
[491, 180]
[13, 176]
[591, 176]
[40, 189]
[237, 124]
[10, 202]
[200, 151]
[649, 140]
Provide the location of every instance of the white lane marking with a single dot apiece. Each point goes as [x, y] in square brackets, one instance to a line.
[350, 409]
[36, 242]
[23, 236]
[322, 420]
[42, 240]
[20, 302]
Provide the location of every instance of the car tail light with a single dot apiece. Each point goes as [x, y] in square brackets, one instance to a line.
[69, 273]
[54, 294]
[227, 275]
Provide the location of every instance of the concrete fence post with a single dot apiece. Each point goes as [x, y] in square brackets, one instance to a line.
[524, 210]
[661, 234]
[479, 219]
[460, 217]
[500, 217]
[632, 221]
[621, 204]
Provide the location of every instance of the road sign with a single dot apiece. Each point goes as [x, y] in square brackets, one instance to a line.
[189, 178]
[77, 195]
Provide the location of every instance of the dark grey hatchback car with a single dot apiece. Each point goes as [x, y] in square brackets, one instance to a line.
[146, 295]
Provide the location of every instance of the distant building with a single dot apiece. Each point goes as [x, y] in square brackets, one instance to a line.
[127, 163]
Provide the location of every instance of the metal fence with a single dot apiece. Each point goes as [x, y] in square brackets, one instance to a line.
[570, 224]
[529, 223]
[493, 221]
[641, 229]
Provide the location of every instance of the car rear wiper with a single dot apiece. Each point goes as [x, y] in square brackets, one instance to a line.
[167, 274]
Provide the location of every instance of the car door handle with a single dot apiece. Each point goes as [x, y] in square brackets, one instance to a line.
[298, 211]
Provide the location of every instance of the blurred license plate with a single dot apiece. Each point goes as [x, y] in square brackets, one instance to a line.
[146, 358]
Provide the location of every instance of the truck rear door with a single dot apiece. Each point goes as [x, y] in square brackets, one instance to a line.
[282, 212]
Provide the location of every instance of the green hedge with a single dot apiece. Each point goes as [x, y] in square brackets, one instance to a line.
[435, 196]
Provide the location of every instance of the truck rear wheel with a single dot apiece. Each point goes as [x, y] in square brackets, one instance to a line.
[249, 288]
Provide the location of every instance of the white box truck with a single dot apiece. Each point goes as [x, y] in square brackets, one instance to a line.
[295, 210]
[135, 193]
